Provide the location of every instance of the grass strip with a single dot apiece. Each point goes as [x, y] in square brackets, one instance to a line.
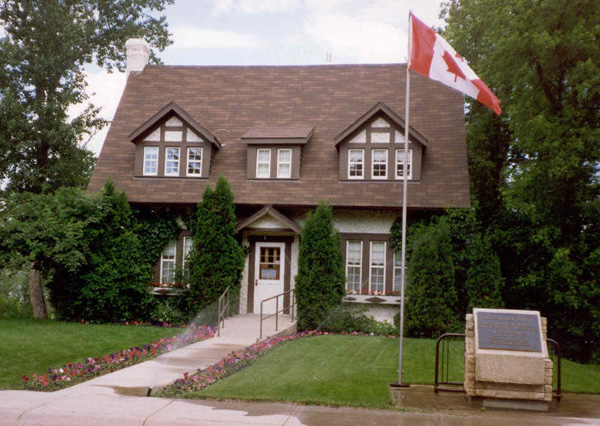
[30, 346]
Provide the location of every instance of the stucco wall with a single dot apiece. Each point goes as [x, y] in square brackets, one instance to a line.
[357, 221]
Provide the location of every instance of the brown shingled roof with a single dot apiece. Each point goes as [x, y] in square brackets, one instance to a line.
[230, 101]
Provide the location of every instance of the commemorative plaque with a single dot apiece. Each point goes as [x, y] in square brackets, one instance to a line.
[508, 331]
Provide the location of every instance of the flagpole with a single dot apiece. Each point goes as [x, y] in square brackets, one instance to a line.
[404, 209]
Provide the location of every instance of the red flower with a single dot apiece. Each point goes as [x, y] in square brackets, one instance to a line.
[25, 378]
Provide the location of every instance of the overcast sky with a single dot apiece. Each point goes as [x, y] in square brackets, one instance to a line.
[275, 32]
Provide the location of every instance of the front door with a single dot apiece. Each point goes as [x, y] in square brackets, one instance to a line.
[269, 270]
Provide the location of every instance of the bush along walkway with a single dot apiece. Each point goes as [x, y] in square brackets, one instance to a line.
[75, 373]
[232, 363]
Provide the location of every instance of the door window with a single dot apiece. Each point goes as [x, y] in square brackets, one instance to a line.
[270, 263]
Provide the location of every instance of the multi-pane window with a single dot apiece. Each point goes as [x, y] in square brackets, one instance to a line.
[356, 161]
[194, 163]
[284, 163]
[150, 160]
[263, 163]
[188, 243]
[353, 266]
[171, 161]
[397, 273]
[377, 270]
[400, 164]
[379, 163]
[167, 263]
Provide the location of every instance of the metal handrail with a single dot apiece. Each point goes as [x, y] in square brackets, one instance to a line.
[291, 307]
[223, 310]
[445, 357]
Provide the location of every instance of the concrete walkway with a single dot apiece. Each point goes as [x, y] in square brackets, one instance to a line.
[36, 408]
[239, 331]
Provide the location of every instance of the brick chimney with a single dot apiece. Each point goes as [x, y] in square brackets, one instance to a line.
[138, 53]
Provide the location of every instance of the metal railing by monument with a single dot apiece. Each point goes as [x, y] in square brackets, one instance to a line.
[444, 353]
[286, 310]
[452, 346]
[555, 355]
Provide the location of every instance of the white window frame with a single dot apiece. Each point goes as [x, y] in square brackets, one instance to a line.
[400, 162]
[145, 172]
[397, 273]
[385, 163]
[185, 256]
[268, 175]
[371, 266]
[162, 260]
[167, 160]
[359, 266]
[362, 162]
[187, 169]
[280, 163]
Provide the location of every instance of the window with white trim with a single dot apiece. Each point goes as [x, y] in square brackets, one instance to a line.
[194, 162]
[188, 243]
[284, 163]
[356, 161]
[397, 273]
[150, 160]
[379, 160]
[167, 263]
[400, 164]
[263, 163]
[377, 268]
[172, 161]
[353, 266]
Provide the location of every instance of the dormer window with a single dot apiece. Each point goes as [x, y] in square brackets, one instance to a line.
[194, 162]
[371, 149]
[284, 163]
[400, 164]
[172, 161]
[275, 152]
[263, 163]
[379, 160]
[356, 161]
[150, 160]
[171, 144]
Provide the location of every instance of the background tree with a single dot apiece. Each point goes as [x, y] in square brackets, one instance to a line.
[46, 45]
[431, 307]
[320, 283]
[217, 258]
[484, 278]
[543, 61]
[96, 263]
[42, 54]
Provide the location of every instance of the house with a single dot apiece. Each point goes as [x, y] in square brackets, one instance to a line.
[287, 137]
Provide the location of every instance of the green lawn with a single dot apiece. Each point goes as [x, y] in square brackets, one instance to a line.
[333, 370]
[355, 370]
[33, 346]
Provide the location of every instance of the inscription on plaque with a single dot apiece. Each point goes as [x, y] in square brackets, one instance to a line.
[508, 331]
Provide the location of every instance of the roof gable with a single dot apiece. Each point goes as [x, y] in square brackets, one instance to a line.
[379, 108]
[169, 110]
[268, 210]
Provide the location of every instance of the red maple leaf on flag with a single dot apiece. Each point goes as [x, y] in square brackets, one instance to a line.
[453, 67]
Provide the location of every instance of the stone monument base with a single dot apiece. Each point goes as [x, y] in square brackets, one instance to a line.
[516, 404]
[507, 377]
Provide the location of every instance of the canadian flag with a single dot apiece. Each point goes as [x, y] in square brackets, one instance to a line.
[433, 57]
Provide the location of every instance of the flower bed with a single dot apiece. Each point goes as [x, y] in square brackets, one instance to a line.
[73, 373]
[232, 363]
